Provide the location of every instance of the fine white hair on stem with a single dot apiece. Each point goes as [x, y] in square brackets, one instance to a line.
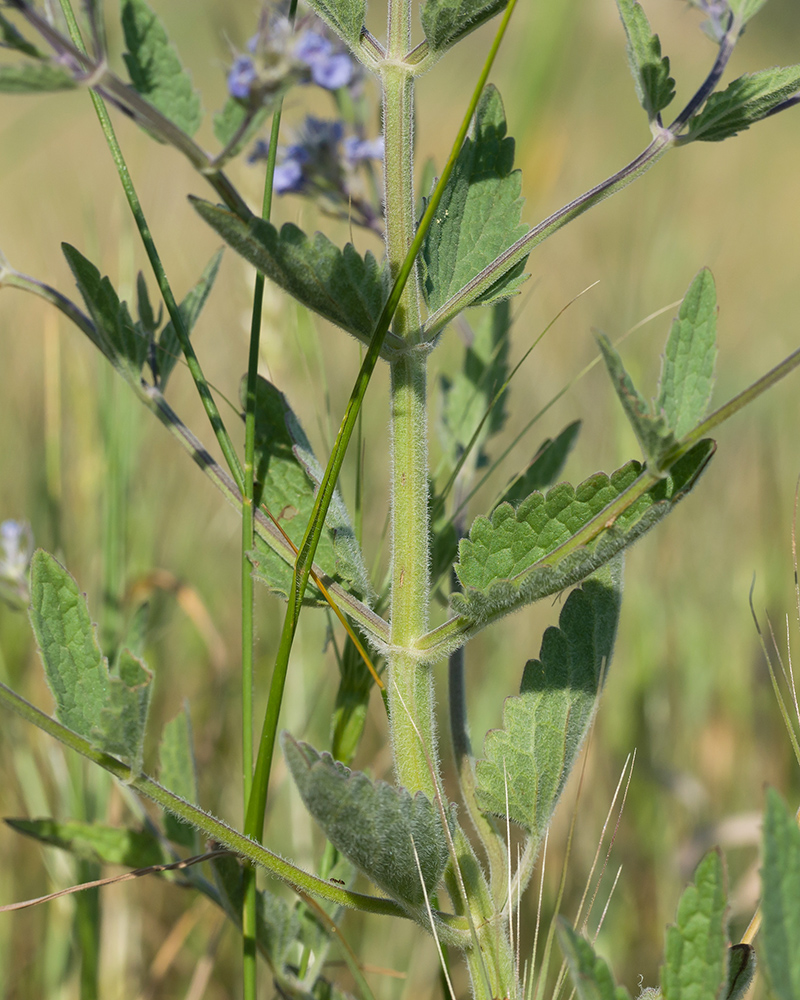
[433, 923]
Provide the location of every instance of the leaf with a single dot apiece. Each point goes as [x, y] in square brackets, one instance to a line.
[177, 772]
[372, 823]
[345, 17]
[110, 710]
[590, 975]
[744, 101]
[108, 845]
[11, 38]
[695, 966]
[780, 899]
[745, 9]
[479, 214]
[741, 969]
[155, 69]
[545, 467]
[168, 349]
[286, 472]
[117, 336]
[446, 22]
[506, 562]
[232, 117]
[655, 88]
[33, 78]
[341, 285]
[526, 763]
[687, 372]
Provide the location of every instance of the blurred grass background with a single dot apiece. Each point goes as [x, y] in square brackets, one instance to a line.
[687, 689]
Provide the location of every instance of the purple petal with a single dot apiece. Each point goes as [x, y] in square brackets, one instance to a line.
[288, 178]
[356, 150]
[310, 47]
[241, 76]
[332, 73]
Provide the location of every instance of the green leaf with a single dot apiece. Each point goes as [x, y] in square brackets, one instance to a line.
[780, 899]
[506, 562]
[287, 474]
[526, 763]
[110, 710]
[352, 704]
[743, 102]
[232, 117]
[695, 966]
[687, 372]
[446, 22]
[651, 429]
[155, 69]
[11, 38]
[177, 772]
[741, 969]
[118, 337]
[545, 468]
[372, 823]
[168, 349]
[108, 845]
[590, 975]
[33, 78]
[655, 88]
[745, 9]
[479, 214]
[341, 285]
[345, 17]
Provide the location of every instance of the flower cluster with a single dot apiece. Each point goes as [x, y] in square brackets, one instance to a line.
[321, 164]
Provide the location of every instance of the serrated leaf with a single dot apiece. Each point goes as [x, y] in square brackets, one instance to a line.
[11, 38]
[232, 117]
[286, 473]
[743, 102]
[118, 337]
[651, 429]
[345, 17]
[341, 285]
[34, 78]
[95, 841]
[177, 772]
[741, 969]
[372, 823]
[506, 562]
[745, 9]
[155, 69]
[446, 22]
[780, 899]
[545, 468]
[468, 396]
[695, 966]
[526, 763]
[590, 975]
[687, 372]
[168, 348]
[110, 710]
[655, 88]
[479, 214]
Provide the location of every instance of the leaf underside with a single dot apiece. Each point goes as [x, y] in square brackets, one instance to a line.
[346, 17]
[743, 102]
[780, 901]
[373, 824]
[506, 562]
[445, 22]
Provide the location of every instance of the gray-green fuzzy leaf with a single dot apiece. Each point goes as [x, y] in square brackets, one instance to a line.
[479, 214]
[341, 285]
[590, 975]
[696, 948]
[287, 474]
[110, 710]
[345, 17]
[446, 22]
[96, 842]
[508, 559]
[177, 772]
[33, 78]
[545, 468]
[655, 88]
[780, 900]
[743, 102]
[376, 826]
[528, 761]
[687, 372]
[155, 69]
[741, 969]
